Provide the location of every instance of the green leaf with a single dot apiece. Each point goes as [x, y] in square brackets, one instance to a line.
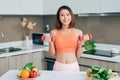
[89, 45]
[28, 66]
[89, 71]
[100, 73]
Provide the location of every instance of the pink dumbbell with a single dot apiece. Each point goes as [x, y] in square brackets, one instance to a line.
[52, 38]
[81, 38]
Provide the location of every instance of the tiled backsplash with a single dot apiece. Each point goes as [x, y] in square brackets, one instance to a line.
[104, 29]
[12, 29]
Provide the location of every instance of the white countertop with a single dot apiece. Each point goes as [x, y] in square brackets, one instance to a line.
[35, 48]
[49, 75]
[32, 48]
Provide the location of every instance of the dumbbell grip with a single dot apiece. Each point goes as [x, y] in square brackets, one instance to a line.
[52, 38]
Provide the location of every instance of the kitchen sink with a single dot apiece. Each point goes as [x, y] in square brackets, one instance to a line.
[10, 49]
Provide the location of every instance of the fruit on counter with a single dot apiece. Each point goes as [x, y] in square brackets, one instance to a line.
[33, 74]
[28, 71]
[24, 73]
[97, 72]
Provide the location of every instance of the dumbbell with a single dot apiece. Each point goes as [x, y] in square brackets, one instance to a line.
[52, 38]
[81, 38]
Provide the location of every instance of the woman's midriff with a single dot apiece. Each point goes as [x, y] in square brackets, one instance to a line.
[66, 58]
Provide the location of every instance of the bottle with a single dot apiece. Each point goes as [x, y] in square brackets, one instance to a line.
[47, 28]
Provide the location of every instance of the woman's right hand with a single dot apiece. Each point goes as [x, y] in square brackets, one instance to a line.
[48, 38]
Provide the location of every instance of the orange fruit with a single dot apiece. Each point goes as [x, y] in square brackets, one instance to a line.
[24, 74]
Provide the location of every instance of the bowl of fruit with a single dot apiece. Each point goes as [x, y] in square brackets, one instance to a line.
[97, 72]
[28, 72]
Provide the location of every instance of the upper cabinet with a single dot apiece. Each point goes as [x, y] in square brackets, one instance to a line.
[21, 7]
[51, 7]
[9, 7]
[88, 6]
[110, 5]
[48, 7]
[31, 7]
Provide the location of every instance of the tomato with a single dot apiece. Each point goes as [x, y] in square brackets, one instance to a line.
[33, 74]
[43, 38]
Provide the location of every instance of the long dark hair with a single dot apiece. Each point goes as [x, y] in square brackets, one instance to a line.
[58, 24]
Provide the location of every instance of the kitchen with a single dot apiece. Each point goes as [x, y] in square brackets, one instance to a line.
[104, 28]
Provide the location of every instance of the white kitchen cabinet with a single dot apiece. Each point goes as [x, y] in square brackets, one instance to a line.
[21, 7]
[51, 7]
[37, 59]
[110, 5]
[31, 7]
[18, 61]
[88, 6]
[3, 65]
[9, 7]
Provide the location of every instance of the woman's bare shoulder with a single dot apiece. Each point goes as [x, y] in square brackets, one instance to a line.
[53, 32]
[78, 32]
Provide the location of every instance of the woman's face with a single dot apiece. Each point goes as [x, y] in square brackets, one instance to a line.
[65, 17]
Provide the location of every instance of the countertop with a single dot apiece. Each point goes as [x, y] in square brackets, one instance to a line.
[35, 48]
[49, 75]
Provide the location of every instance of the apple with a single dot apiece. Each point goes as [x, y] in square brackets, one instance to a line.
[33, 74]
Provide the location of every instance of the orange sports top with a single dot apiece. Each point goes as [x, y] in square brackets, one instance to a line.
[66, 42]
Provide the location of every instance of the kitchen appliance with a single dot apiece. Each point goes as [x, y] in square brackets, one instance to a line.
[49, 63]
[36, 37]
[104, 53]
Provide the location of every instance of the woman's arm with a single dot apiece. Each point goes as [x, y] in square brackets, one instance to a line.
[51, 44]
[79, 49]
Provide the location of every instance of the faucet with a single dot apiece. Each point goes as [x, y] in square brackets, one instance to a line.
[1, 34]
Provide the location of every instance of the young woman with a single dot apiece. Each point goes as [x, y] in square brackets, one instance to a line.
[66, 47]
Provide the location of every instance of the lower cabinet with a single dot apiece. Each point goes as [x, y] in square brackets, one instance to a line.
[37, 59]
[19, 60]
[85, 63]
[83, 67]
[3, 65]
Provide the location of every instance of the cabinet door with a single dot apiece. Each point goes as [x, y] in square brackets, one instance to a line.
[9, 7]
[3, 65]
[31, 7]
[37, 59]
[51, 7]
[90, 62]
[89, 6]
[18, 61]
[110, 5]
[83, 67]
